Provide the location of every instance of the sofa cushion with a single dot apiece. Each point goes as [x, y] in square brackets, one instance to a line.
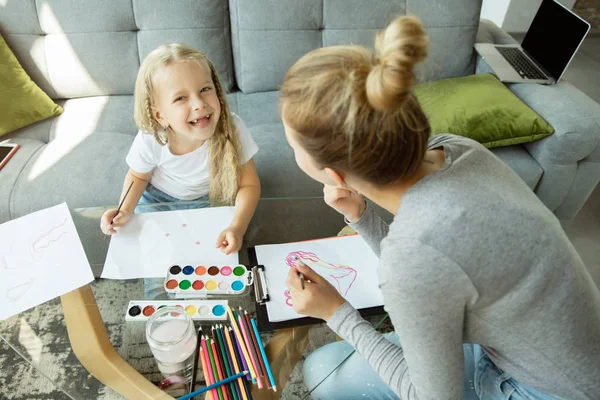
[71, 50]
[202, 24]
[262, 28]
[82, 117]
[279, 174]
[22, 102]
[480, 107]
[74, 171]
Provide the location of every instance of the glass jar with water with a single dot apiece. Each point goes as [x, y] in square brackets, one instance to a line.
[172, 340]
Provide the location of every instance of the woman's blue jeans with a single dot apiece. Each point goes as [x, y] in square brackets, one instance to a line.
[355, 379]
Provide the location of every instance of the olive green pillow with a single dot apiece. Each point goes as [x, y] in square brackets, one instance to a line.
[480, 107]
[22, 102]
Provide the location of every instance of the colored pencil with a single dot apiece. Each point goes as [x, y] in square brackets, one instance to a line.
[231, 350]
[214, 367]
[239, 349]
[250, 348]
[300, 274]
[236, 365]
[196, 357]
[220, 374]
[121, 204]
[240, 355]
[228, 364]
[214, 385]
[209, 368]
[209, 395]
[238, 335]
[221, 363]
[264, 355]
[254, 339]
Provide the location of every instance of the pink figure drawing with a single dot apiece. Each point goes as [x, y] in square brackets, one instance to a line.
[342, 277]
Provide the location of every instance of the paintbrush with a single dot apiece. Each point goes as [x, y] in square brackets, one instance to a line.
[119, 208]
[122, 201]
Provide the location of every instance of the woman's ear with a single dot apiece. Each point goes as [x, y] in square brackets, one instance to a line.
[336, 176]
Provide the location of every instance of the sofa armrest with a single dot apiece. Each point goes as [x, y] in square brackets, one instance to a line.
[570, 157]
[489, 32]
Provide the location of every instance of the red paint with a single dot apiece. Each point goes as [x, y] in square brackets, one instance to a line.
[198, 285]
[148, 311]
[172, 284]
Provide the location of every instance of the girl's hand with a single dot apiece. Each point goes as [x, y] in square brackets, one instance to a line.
[346, 201]
[230, 240]
[118, 220]
[319, 299]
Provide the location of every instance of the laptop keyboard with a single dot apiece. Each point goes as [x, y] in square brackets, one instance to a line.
[520, 63]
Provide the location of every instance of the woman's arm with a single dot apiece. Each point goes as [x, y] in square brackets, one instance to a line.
[425, 294]
[246, 201]
[357, 214]
[371, 228]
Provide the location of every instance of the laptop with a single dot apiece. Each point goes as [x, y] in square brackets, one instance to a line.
[547, 49]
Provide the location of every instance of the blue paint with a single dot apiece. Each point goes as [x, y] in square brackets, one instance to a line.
[188, 270]
[218, 310]
[237, 285]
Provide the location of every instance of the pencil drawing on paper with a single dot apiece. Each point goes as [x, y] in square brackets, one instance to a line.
[22, 260]
[342, 277]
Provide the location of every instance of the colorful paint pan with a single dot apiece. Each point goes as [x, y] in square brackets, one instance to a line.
[192, 281]
[198, 310]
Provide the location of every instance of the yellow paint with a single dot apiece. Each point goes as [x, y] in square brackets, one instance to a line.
[211, 285]
[191, 310]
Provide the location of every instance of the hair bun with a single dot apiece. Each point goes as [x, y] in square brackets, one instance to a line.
[399, 47]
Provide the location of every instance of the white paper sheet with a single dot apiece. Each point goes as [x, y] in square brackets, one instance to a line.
[41, 257]
[151, 242]
[347, 262]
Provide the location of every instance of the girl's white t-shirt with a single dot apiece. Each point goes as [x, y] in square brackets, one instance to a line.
[184, 177]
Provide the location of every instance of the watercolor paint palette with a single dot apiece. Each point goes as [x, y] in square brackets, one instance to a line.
[199, 281]
[198, 310]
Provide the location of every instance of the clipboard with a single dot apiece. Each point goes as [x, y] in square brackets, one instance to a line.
[261, 297]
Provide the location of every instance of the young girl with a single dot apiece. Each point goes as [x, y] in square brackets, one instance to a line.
[488, 297]
[190, 147]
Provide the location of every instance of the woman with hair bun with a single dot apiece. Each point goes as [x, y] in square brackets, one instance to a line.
[488, 297]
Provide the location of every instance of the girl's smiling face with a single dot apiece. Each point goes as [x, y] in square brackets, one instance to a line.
[186, 101]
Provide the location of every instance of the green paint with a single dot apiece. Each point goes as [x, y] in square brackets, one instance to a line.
[185, 284]
[239, 271]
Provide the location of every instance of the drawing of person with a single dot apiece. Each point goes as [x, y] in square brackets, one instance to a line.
[342, 277]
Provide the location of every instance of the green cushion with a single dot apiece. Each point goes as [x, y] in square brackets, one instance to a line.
[22, 102]
[480, 107]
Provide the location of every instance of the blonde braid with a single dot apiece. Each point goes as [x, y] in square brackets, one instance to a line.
[224, 152]
[151, 121]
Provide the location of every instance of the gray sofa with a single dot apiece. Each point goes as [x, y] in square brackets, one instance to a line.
[85, 55]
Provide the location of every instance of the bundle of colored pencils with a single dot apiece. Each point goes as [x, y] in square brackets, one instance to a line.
[231, 358]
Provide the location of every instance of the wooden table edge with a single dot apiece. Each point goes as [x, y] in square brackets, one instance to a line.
[92, 347]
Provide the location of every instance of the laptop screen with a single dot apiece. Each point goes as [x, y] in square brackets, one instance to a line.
[554, 36]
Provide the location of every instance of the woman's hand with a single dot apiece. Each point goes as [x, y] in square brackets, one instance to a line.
[117, 220]
[318, 299]
[230, 240]
[346, 201]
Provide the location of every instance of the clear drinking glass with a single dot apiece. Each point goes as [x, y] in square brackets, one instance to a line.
[172, 339]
